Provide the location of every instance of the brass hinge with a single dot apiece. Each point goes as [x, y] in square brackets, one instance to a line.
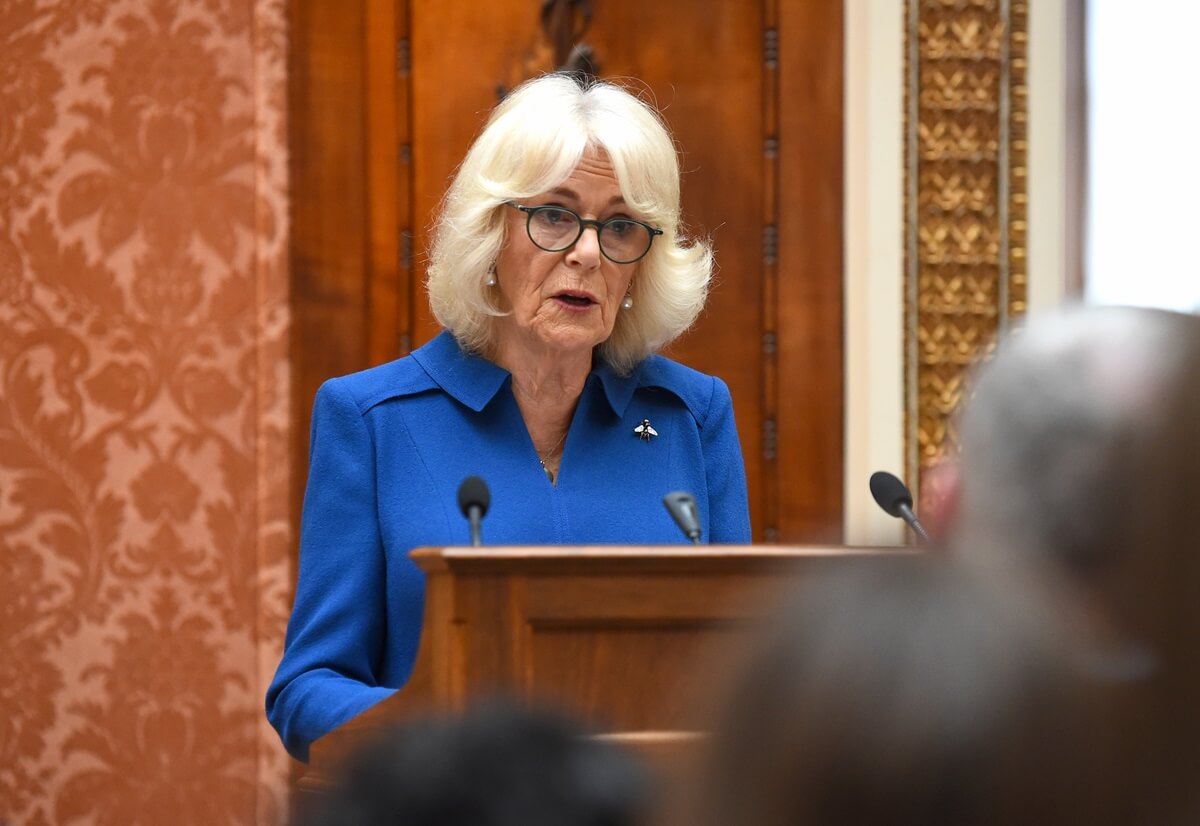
[769, 238]
[402, 57]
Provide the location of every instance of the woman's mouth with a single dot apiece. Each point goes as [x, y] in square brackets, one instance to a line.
[574, 301]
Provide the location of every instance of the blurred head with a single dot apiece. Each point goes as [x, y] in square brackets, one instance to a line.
[1080, 450]
[1067, 448]
[497, 765]
[601, 152]
[906, 691]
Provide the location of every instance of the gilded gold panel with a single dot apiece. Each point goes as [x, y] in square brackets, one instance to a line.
[965, 196]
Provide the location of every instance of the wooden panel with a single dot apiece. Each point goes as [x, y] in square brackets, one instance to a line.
[385, 282]
[621, 677]
[628, 597]
[811, 406]
[328, 222]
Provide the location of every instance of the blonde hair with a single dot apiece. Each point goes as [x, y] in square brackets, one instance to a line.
[533, 140]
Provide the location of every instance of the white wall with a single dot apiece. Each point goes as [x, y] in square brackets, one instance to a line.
[874, 261]
[1143, 164]
[1047, 156]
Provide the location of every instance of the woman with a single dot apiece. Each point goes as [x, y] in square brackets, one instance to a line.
[557, 271]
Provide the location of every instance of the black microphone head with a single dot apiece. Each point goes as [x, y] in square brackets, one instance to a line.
[474, 492]
[684, 510]
[890, 493]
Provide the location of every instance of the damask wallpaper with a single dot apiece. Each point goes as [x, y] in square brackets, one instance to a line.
[144, 569]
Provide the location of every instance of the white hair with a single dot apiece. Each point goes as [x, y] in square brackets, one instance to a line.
[533, 140]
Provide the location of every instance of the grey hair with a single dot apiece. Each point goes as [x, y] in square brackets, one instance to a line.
[1061, 426]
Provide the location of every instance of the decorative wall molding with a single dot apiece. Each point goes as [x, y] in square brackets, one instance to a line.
[965, 204]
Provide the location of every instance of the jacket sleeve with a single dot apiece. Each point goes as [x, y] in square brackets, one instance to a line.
[725, 471]
[336, 633]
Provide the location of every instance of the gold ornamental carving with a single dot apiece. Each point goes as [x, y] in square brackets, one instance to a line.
[965, 198]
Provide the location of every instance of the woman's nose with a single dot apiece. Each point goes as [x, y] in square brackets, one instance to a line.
[587, 249]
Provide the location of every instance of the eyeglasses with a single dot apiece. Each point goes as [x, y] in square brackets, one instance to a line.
[555, 228]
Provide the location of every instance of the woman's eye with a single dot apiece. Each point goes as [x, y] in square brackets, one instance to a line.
[620, 227]
[555, 216]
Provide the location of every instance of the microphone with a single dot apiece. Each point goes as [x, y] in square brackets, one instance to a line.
[683, 509]
[473, 501]
[892, 495]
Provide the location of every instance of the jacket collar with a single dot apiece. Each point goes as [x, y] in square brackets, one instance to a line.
[618, 390]
[467, 378]
[474, 381]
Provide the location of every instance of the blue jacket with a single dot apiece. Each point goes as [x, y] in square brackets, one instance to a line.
[391, 445]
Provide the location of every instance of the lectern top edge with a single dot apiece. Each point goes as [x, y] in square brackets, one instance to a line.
[673, 551]
[619, 556]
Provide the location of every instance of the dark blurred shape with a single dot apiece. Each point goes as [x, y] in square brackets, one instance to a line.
[898, 692]
[500, 764]
[686, 513]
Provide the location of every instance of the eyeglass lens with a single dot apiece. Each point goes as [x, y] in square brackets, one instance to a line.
[555, 229]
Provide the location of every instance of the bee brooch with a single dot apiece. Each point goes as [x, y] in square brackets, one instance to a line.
[644, 431]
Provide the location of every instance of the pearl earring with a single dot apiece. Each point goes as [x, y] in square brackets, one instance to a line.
[491, 279]
[627, 302]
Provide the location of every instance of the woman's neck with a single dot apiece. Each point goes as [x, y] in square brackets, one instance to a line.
[544, 374]
[547, 383]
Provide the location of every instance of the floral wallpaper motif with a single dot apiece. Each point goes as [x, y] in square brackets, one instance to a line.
[144, 573]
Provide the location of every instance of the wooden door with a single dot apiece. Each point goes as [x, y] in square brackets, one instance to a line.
[387, 95]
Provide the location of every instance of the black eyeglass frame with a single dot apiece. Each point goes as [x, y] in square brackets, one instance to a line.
[584, 223]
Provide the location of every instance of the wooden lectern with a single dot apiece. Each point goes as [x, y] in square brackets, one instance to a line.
[615, 634]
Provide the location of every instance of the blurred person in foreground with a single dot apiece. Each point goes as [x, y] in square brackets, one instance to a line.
[497, 765]
[1066, 448]
[558, 269]
[910, 692]
[1080, 454]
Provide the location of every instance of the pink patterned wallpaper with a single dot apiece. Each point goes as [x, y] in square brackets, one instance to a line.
[144, 564]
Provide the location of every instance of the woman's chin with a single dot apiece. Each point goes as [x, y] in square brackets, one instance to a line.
[569, 338]
[561, 334]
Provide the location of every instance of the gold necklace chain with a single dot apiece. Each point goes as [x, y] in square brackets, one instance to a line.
[550, 455]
